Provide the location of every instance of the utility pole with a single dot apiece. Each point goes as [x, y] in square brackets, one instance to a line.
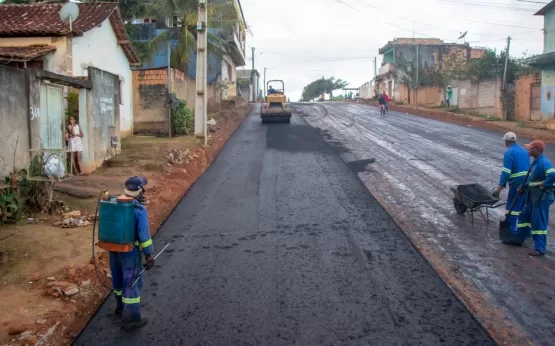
[169, 85]
[506, 62]
[375, 76]
[504, 92]
[202, 72]
[264, 86]
[252, 77]
[417, 76]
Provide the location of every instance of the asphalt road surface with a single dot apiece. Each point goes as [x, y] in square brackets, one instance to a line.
[279, 243]
[409, 163]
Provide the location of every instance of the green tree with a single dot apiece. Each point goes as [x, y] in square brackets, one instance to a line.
[322, 85]
[221, 15]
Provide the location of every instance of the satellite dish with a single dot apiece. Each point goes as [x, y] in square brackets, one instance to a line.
[69, 13]
[463, 35]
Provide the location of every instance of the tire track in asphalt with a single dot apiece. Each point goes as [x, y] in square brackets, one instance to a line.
[417, 193]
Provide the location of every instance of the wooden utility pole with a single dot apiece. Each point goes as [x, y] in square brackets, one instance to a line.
[252, 77]
[506, 63]
[202, 72]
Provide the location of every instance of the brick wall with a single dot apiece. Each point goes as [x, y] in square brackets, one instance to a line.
[523, 89]
[150, 101]
[150, 98]
[425, 96]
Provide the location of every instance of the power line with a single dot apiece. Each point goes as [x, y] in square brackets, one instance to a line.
[487, 5]
[453, 18]
[534, 2]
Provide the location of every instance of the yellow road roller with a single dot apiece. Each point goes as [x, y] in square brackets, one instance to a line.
[275, 109]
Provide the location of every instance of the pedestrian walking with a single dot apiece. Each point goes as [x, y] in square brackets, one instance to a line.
[534, 218]
[516, 162]
[125, 267]
[449, 94]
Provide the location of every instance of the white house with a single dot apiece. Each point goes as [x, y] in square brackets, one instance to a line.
[33, 36]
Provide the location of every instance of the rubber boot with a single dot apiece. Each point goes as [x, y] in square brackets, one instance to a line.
[119, 306]
[132, 324]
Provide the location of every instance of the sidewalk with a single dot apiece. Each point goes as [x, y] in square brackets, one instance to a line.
[48, 288]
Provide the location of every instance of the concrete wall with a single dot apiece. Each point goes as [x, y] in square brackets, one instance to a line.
[99, 48]
[150, 98]
[549, 32]
[523, 89]
[481, 98]
[548, 93]
[14, 121]
[103, 118]
[366, 91]
[184, 87]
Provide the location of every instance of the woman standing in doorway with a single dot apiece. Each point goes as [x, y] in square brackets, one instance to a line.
[75, 144]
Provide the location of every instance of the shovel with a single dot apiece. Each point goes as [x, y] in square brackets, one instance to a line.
[505, 233]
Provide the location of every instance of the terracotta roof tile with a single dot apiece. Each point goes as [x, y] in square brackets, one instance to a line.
[44, 20]
[24, 53]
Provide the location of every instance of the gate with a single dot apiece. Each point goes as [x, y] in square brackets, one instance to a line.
[52, 117]
[535, 102]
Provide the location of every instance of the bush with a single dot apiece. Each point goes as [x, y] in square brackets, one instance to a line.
[13, 197]
[182, 119]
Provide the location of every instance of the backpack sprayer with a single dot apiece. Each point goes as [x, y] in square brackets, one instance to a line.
[116, 228]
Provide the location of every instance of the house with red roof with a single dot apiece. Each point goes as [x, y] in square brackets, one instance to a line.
[34, 36]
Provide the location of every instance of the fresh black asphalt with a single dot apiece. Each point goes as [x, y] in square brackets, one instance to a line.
[279, 243]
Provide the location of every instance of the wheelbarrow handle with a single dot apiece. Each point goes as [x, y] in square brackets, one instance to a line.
[498, 205]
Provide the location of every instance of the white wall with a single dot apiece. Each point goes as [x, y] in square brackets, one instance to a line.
[99, 48]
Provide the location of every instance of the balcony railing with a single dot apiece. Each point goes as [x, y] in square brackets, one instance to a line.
[386, 69]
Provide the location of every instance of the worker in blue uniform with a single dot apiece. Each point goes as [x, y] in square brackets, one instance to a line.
[534, 218]
[126, 266]
[516, 162]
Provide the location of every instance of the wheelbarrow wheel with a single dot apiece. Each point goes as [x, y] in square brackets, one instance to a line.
[459, 207]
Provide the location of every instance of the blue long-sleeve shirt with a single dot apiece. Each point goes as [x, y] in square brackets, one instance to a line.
[516, 163]
[542, 173]
[143, 229]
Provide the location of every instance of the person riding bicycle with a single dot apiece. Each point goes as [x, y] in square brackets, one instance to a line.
[381, 101]
[386, 98]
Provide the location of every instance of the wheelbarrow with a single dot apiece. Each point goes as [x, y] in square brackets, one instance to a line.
[474, 197]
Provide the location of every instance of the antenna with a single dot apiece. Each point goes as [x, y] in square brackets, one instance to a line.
[69, 12]
[463, 35]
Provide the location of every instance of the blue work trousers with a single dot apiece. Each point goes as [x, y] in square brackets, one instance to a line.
[519, 204]
[125, 268]
[534, 220]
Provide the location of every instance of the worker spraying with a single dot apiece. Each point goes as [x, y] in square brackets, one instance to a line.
[534, 218]
[515, 166]
[125, 233]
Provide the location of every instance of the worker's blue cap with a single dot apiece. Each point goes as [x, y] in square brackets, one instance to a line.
[135, 183]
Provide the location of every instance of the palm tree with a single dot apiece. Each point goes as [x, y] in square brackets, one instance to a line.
[221, 16]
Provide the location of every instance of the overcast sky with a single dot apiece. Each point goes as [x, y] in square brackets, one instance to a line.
[302, 40]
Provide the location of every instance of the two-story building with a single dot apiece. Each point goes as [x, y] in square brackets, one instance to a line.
[222, 68]
[546, 62]
[431, 53]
